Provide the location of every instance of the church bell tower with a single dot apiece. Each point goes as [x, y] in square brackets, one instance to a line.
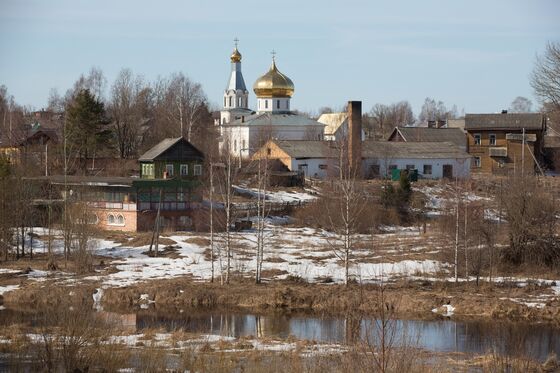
[236, 95]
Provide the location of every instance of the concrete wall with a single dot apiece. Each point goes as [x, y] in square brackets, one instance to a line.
[315, 167]
[461, 167]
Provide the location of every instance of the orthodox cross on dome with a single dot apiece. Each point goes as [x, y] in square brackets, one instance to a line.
[236, 41]
[273, 55]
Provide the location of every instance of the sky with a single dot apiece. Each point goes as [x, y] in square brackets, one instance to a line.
[476, 54]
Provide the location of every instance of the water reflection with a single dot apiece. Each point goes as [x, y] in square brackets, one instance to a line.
[534, 340]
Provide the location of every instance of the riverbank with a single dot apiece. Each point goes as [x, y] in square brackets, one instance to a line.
[418, 299]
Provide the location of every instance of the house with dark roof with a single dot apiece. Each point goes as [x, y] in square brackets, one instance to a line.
[429, 134]
[169, 181]
[173, 157]
[505, 143]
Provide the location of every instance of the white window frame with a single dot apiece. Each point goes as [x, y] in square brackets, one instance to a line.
[184, 167]
[477, 139]
[492, 139]
[197, 170]
[477, 162]
[169, 169]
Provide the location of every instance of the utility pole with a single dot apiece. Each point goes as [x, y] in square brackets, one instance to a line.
[523, 154]
[456, 231]
[212, 219]
[466, 245]
[155, 232]
[46, 159]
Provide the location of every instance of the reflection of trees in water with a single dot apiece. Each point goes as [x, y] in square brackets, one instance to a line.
[513, 339]
[272, 326]
[352, 328]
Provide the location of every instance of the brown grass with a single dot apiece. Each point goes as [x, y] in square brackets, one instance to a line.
[199, 241]
[275, 259]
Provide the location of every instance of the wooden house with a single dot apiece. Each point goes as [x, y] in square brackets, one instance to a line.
[496, 141]
[172, 158]
[170, 181]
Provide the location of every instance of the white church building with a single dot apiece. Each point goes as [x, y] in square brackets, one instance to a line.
[243, 131]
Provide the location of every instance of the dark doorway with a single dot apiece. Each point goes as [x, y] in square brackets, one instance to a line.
[303, 168]
[448, 171]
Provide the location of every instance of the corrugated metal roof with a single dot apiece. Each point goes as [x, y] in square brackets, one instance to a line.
[307, 148]
[531, 121]
[269, 119]
[159, 149]
[414, 150]
[424, 134]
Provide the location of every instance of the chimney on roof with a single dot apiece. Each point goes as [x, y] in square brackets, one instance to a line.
[504, 111]
[355, 136]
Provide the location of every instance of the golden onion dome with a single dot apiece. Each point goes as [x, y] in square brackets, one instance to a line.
[235, 56]
[273, 84]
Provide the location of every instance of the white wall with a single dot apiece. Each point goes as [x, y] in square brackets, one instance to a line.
[270, 104]
[252, 135]
[313, 169]
[461, 167]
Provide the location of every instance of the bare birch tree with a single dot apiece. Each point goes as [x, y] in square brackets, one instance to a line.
[227, 173]
[130, 105]
[545, 78]
[262, 183]
[347, 201]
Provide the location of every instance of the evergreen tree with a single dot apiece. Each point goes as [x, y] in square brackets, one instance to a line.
[84, 130]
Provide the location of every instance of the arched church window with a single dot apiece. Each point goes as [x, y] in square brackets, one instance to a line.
[277, 104]
[239, 102]
[287, 105]
[230, 101]
[225, 102]
[266, 104]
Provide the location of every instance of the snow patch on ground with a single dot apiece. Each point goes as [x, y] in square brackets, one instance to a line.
[446, 310]
[7, 288]
[279, 196]
[97, 299]
[9, 271]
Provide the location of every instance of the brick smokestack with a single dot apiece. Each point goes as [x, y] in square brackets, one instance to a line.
[355, 136]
